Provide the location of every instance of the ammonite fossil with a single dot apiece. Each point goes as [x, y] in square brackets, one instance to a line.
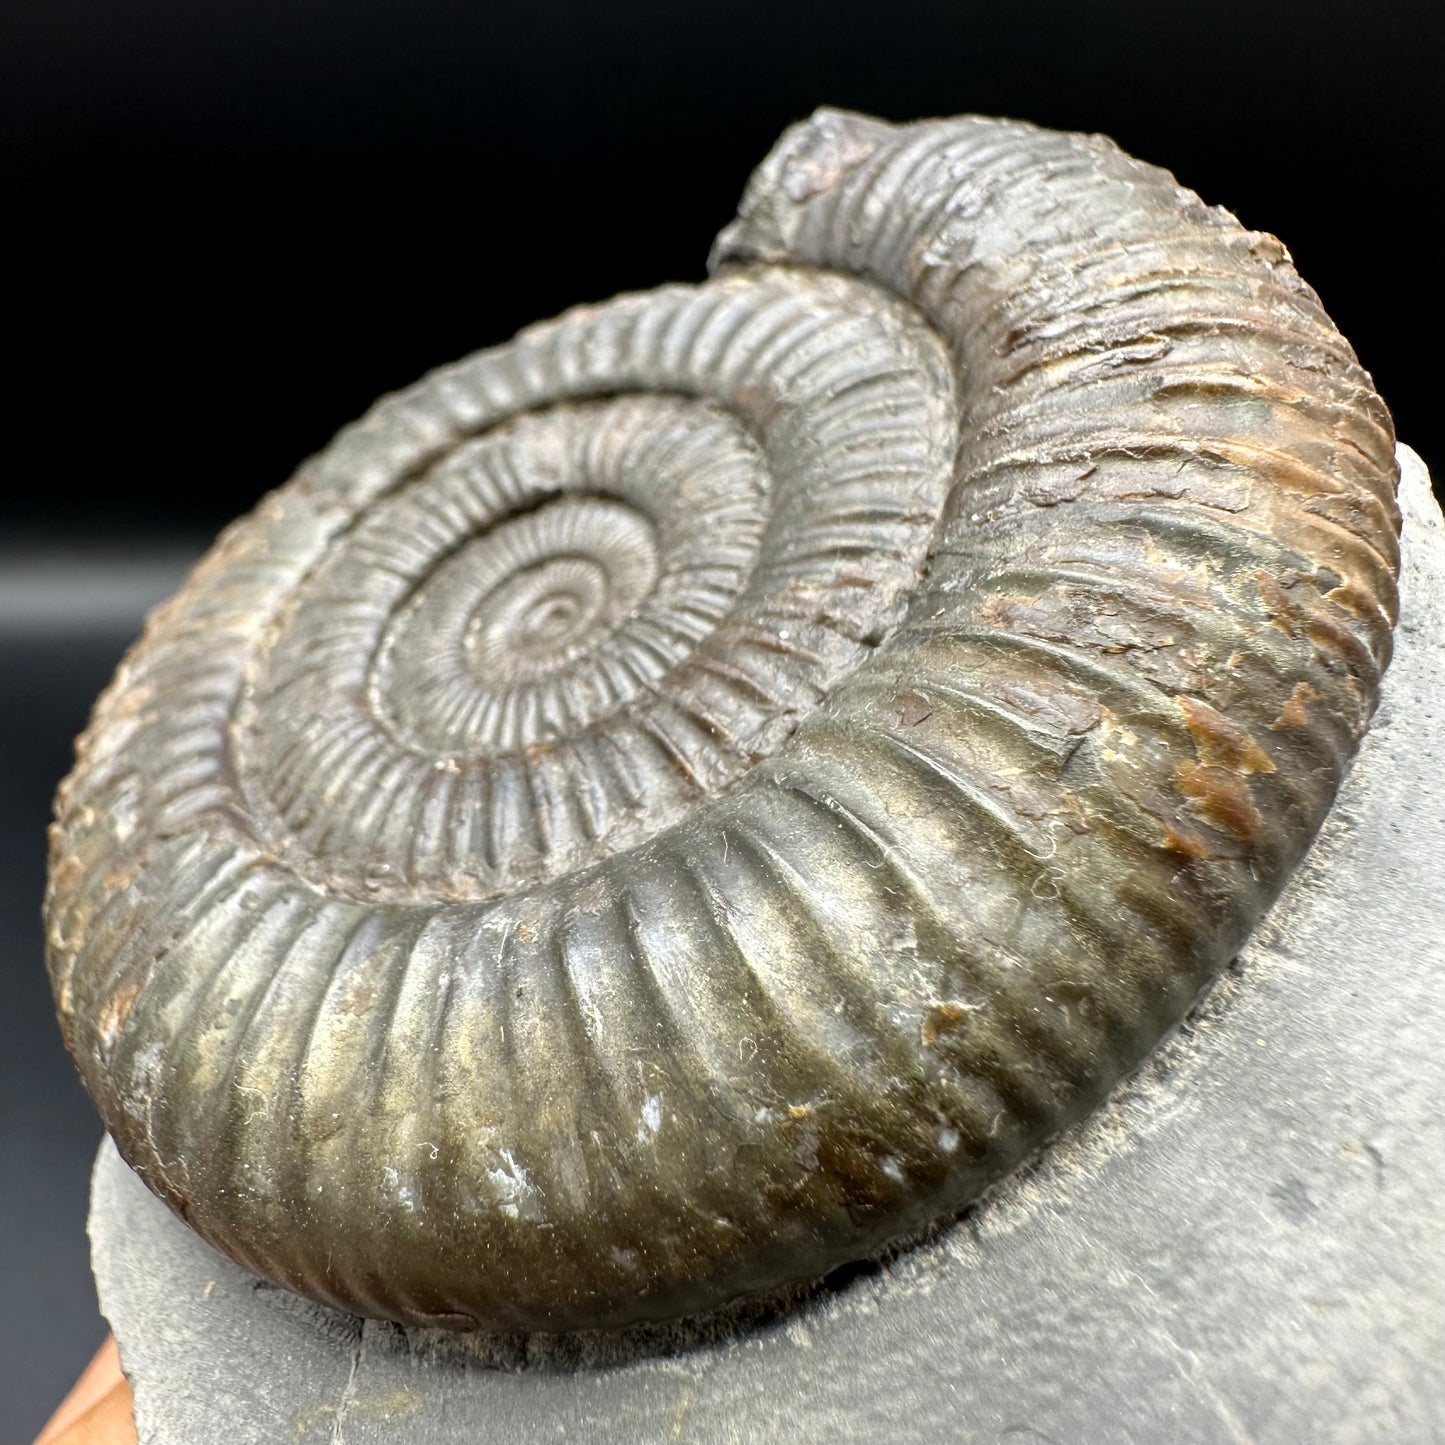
[676, 803]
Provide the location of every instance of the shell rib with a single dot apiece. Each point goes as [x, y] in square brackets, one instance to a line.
[676, 803]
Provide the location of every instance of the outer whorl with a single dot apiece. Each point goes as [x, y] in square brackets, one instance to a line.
[671, 805]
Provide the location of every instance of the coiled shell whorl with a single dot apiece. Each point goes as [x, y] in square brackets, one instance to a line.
[675, 803]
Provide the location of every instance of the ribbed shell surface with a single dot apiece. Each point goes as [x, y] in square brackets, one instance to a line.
[678, 802]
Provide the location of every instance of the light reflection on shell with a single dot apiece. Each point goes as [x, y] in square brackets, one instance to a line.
[673, 804]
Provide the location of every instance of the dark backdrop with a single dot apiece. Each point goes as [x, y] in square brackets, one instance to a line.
[232, 225]
[229, 226]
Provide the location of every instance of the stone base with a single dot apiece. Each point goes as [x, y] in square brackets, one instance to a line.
[1244, 1244]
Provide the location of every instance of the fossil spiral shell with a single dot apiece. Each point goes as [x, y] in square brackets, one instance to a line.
[677, 802]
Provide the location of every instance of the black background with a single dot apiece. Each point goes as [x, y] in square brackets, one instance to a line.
[229, 227]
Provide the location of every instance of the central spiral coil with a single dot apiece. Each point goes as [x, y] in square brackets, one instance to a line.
[681, 801]
[553, 639]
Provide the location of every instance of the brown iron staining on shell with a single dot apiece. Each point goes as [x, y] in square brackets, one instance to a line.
[671, 805]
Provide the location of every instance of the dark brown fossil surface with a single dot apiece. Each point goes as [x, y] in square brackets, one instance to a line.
[675, 803]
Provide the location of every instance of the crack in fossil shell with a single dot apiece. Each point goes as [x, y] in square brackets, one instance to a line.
[674, 804]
